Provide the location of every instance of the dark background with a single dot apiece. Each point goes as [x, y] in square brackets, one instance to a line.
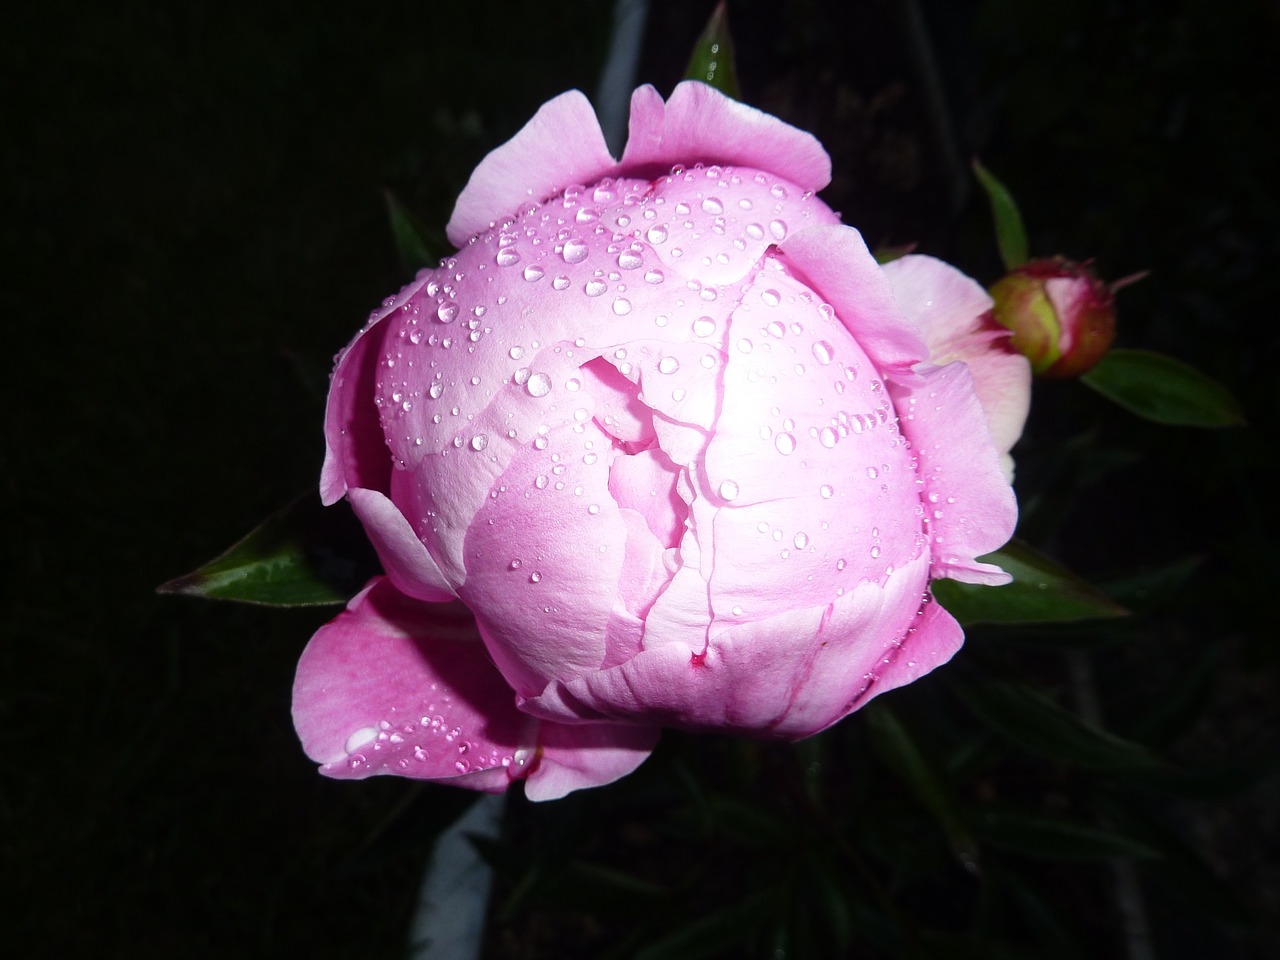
[193, 224]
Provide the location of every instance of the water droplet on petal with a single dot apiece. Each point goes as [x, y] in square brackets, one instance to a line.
[621, 306]
[435, 390]
[826, 491]
[507, 256]
[704, 327]
[728, 490]
[447, 311]
[539, 385]
[479, 442]
[823, 353]
[593, 288]
[785, 444]
[712, 206]
[668, 365]
[561, 282]
[657, 234]
[533, 273]
[778, 228]
[654, 276]
[801, 541]
[535, 577]
[574, 250]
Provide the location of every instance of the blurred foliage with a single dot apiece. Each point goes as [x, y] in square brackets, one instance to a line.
[195, 197]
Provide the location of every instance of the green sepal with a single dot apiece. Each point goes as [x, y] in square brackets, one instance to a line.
[1031, 720]
[1164, 390]
[712, 61]
[1042, 591]
[412, 238]
[1011, 235]
[305, 555]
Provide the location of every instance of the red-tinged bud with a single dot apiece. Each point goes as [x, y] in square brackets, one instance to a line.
[1062, 316]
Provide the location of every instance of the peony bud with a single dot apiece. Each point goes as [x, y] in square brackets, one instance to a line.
[1062, 316]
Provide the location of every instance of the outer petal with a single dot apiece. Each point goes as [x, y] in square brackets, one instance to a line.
[953, 314]
[399, 687]
[406, 560]
[393, 686]
[930, 641]
[355, 453]
[560, 146]
[586, 755]
[969, 506]
[701, 125]
[837, 265]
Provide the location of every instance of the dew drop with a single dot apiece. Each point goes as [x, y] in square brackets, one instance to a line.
[657, 234]
[755, 231]
[533, 273]
[574, 250]
[771, 298]
[630, 260]
[745, 345]
[654, 276]
[507, 256]
[436, 390]
[516, 353]
[823, 353]
[828, 437]
[535, 577]
[447, 312]
[826, 491]
[801, 541]
[593, 288]
[539, 385]
[704, 327]
[561, 282]
[712, 206]
[728, 490]
[479, 442]
[668, 365]
[785, 444]
[621, 306]
[778, 228]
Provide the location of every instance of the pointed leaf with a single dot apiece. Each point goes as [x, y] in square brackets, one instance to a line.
[1042, 592]
[303, 556]
[1163, 389]
[713, 55]
[1033, 721]
[1048, 837]
[1011, 235]
[416, 251]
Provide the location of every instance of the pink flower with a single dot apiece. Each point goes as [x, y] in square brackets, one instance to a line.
[684, 452]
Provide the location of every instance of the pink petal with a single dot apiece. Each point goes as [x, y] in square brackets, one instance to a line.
[787, 675]
[560, 146]
[969, 506]
[544, 556]
[407, 562]
[809, 489]
[394, 686]
[574, 756]
[953, 314]
[933, 639]
[835, 262]
[698, 124]
[646, 483]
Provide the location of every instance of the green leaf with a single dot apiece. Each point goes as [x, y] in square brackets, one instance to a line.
[1033, 721]
[1011, 235]
[1163, 389]
[1042, 592]
[305, 555]
[415, 250]
[932, 788]
[1049, 837]
[713, 55]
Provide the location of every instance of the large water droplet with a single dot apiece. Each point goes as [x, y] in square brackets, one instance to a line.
[630, 260]
[778, 229]
[654, 276]
[479, 442]
[561, 282]
[827, 436]
[823, 353]
[826, 491]
[447, 311]
[539, 385]
[755, 231]
[533, 273]
[801, 541]
[593, 288]
[657, 234]
[574, 250]
[728, 490]
[668, 365]
[771, 298]
[621, 306]
[436, 390]
[785, 444]
[704, 327]
[507, 256]
[712, 206]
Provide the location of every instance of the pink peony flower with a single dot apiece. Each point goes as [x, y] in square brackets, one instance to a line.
[661, 445]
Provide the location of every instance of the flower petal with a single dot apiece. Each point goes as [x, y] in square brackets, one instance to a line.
[407, 562]
[560, 146]
[933, 638]
[968, 504]
[698, 124]
[394, 686]
[835, 262]
[953, 314]
[574, 756]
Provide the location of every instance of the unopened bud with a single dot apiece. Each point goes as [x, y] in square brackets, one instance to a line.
[1062, 316]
